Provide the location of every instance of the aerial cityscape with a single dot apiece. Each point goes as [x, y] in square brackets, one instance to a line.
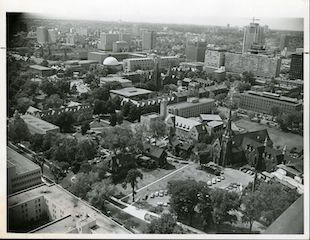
[117, 127]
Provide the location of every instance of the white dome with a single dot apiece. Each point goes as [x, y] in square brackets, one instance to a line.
[110, 61]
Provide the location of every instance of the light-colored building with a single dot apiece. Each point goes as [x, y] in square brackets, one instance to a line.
[193, 107]
[258, 64]
[56, 211]
[131, 93]
[147, 119]
[21, 172]
[262, 102]
[39, 126]
[42, 35]
[120, 46]
[124, 82]
[214, 57]
[133, 64]
[107, 40]
[148, 40]
[52, 36]
[41, 70]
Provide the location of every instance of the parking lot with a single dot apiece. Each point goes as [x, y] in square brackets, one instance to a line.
[192, 172]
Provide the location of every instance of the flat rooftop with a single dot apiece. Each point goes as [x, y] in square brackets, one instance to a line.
[39, 67]
[190, 104]
[21, 163]
[273, 96]
[131, 91]
[72, 205]
[210, 117]
[114, 79]
[38, 123]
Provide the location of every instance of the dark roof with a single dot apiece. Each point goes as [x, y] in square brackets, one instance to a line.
[291, 221]
[258, 136]
[153, 151]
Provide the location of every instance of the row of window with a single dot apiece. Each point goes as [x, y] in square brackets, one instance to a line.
[26, 182]
[25, 176]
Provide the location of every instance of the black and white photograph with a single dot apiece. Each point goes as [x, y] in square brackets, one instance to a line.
[132, 119]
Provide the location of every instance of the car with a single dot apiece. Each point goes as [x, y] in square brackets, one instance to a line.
[252, 173]
[156, 194]
[166, 192]
[165, 204]
[159, 203]
[213, 180]
[146, 197]
[161, 194]
[152, 195]
[218, 179]
[222, 177]
[209, 183]
[244, 170]
[248, 172]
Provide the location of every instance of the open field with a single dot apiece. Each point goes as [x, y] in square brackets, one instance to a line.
[278, 137]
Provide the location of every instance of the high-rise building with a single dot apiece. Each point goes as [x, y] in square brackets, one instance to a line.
[120, 46]
[156, 77]
[107, 40]
[148, 40]
[195, 51]
[253, 37]
[42, 35]
[125, 37]
[259, 65]
[214, 58]
[52, 35]
[297, 67]
[291, 42]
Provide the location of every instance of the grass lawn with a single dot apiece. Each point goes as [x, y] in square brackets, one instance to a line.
[278, 137]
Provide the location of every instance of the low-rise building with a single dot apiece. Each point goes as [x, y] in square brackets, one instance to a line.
[123, 82]
[22, 173]
[193, 107]
[39, 126]
[41, 70]
[131, 93]
[147, 119]
[262, 102]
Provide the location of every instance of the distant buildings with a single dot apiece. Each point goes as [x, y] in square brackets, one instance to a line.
[193, 107]
[291, 42]
[120, 46]
[52, 36]
[107, 40]
[262, 102]
[39, 126]
[71, 39]
[253, 37]
[131, 93]
[148, 40]
[297, 67]
[42, 35]
[259, 65]
[110, 79]
[22, 173]
[195, 51]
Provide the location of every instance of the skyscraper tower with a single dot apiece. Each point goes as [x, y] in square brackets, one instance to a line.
[253, 37]
[148, 40]
[226, 145]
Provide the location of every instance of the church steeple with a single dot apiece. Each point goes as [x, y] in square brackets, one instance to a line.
[226, 145]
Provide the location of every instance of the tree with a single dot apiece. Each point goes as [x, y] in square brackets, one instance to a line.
[158, 128]
[86, 150]
[134, 113]
[119, 118]
[204, 206]
[100, 192]
[132, 179]
[36, 141]
[275, 110]
[65, 121]
[39, 159]
[56, 172]
[101, 94]
[83, 184]
[113, 119]
[248, 77]
[166, 224]
[18, 130]
[243, 86]
[85, 126]
[44, 63]
[253, 206]
[100, 107]
[223, 202]
[23, 104]
[53, 101]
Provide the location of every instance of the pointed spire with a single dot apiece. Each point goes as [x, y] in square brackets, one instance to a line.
[265, 142]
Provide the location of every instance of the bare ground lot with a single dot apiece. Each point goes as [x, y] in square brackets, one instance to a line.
[278, 137]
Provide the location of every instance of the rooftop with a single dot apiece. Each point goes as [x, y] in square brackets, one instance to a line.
[37, 122]
[21, 163]
[131, 91]
[72, 205]
[39, 67]
[114, 79]
[210, 117]
[272, 96]
[190, 104]
[215, 123]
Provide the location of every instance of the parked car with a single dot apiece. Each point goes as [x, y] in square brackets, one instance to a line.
[209, 183]
[161, 194]
[166, 192]
[159, 203]
[156, 194]
[218, 179]
[165, 204]
[222, 177]
[213, 180]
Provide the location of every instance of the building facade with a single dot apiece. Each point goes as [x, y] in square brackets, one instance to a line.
[39, 126]
[107, 40]
[21, 172]
[253, 37]
[195, 51]
[148, 40]
[297, 67]
[259, 65]
[52, 35]
[120, 46]
[214, 58]
[193, 107]
[262, 102]
[42, 35]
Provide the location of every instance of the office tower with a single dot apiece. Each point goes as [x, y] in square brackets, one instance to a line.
[42, 35]
[107, 40]
[148, 40]
[125, 37]
[214, 58]
[297, 67]
[195, 51]
[52, 36]
[253, 37]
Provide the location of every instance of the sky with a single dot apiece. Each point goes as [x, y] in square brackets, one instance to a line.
[278, 14]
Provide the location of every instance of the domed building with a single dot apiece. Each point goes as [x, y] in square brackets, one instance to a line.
[112, 64]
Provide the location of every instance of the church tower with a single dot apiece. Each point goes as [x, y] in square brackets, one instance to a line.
[226, 145]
